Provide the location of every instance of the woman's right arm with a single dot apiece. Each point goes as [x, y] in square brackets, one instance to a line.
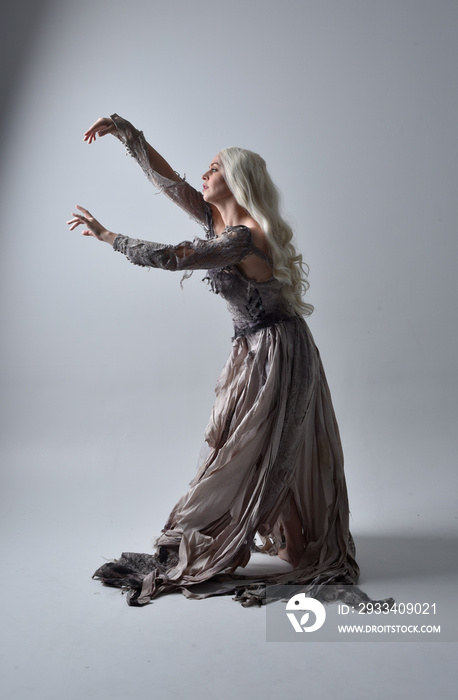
[155, 167]
[127, 134]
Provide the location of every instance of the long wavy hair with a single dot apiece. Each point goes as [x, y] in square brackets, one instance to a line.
[246, 175]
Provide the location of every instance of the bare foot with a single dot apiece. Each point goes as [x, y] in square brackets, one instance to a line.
[293, 533]
[292, 558]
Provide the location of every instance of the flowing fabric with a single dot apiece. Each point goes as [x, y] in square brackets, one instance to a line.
[272, 439]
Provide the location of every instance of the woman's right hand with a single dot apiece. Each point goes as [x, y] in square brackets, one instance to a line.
[101, 127]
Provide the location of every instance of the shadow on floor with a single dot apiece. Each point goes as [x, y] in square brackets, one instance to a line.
[391, 556]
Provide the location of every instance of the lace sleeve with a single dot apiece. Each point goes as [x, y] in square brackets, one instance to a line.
[179, 191]
[229, 249]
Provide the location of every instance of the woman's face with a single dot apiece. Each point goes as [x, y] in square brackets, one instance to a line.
[215, 187]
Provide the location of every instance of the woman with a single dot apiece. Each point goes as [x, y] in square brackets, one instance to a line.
[274, 465]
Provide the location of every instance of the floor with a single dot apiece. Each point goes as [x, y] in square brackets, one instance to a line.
[72, 495]
[66, 636]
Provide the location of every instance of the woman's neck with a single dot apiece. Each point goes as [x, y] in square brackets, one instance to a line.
[232, 214]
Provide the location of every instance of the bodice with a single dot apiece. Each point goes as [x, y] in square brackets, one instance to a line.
[252, 305]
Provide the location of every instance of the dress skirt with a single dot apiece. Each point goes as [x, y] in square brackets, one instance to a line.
[272, 436]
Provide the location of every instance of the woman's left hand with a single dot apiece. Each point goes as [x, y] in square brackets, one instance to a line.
[93, 227]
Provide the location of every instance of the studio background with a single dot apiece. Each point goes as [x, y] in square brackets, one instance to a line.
[108, 370]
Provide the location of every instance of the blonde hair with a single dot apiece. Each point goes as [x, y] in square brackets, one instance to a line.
[246, 175]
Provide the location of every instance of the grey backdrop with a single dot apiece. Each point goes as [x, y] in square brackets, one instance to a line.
[108, 370]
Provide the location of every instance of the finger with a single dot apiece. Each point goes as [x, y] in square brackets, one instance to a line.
[82, 209]
[93, 126]
[90, 136]
[98, 124]
[76, 223]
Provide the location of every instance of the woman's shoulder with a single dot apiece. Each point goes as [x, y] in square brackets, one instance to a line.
[251, 232]
[259, 239]
[257, 264]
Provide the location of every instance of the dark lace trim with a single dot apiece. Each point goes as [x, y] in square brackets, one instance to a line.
[266, 322]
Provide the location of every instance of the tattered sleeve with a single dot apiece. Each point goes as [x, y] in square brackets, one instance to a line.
[179, 191]
[229, 249]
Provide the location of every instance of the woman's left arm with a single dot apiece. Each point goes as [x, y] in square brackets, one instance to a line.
[200, 254]
[92, 226]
